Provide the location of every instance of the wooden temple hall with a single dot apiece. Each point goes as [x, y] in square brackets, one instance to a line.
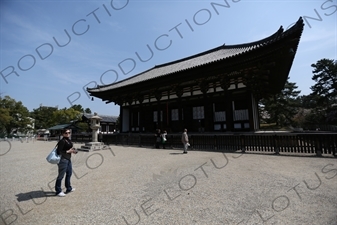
[216, 90]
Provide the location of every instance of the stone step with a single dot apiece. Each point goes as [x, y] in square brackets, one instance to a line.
[92, 146]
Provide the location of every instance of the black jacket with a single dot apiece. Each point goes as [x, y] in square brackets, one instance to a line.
[63, 146]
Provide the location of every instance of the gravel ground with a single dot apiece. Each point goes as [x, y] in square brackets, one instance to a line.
[128, 185]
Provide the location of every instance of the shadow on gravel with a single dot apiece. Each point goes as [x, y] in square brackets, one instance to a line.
[34, 195]
[292, 155]
[176, 153]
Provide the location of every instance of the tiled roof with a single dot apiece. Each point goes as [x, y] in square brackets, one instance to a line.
[105, 118]
[220, 53]
[59, 127]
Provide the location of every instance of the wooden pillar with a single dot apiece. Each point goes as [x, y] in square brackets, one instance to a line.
[229, 111]
[130, 118]
[180, 114]
[140, 118]
[129, 100]
[209, 114]
[204, 87]
[225, 84]
[158, 96]
[179, 93]
[120, 126]
[158, 116]
[256, 109]
[166, 117]
[250, 111]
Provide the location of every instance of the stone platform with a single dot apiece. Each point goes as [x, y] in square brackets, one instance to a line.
[91, 146]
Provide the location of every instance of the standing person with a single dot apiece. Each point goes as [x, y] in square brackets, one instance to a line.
[184, 140]
[64, 149]
[158, 138]
[164, 139]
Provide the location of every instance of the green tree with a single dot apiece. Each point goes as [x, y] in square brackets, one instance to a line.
[65, 115]
[331, 115]
[325, 76]
[83, 126]
[15, 116]
[307, 101]
[324, 92]
[281, 108]
[80, 109]
[5, 119]
[43, 117]
[77, 108]
[87, 110]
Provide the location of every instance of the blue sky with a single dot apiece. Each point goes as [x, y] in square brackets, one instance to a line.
[54, 70]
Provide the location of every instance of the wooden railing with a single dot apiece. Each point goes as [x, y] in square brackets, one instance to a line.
[302, 143]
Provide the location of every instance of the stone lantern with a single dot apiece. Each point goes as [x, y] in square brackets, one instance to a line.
[94, 144]
[95, 125]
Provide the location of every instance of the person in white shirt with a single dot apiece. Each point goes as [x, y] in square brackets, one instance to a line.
[184, 140]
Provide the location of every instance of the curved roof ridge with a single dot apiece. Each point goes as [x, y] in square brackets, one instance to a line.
[277, 33]
[264, 40]
[298, 24]
[271, 37]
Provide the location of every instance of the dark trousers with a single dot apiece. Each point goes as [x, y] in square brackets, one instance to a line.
[65, 168]
[158, 141]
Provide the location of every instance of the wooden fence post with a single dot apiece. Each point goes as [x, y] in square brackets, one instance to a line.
[243, 148]
[318, 146]
[276, 145]
[215, 143]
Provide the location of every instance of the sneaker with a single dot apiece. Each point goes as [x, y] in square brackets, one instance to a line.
[72, 190]
[61, 194]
